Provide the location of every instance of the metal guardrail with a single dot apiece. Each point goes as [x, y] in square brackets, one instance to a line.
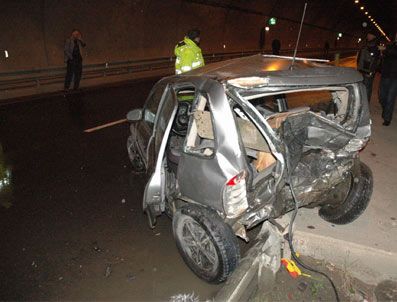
[37, 77]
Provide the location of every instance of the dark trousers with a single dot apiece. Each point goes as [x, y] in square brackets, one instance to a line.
[387, 96]
[368, 82]
[74, 69]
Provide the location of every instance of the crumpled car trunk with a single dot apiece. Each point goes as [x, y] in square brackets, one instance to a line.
[319, 153]
[309, 131]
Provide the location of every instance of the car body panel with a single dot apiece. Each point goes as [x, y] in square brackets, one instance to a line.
[204, 178]
[277, 72]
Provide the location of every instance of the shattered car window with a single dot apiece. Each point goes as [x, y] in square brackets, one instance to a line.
[152, 104]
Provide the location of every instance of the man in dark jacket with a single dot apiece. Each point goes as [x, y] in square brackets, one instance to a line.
[388, 82]
[73, 59]
[276, 46]
[368, 61]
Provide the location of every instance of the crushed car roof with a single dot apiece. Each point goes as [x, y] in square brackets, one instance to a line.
[261, 71]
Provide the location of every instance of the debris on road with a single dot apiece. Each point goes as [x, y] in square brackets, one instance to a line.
[96, 247]
[184, 298]
[302, 286]
[108, 270]
[130, 277]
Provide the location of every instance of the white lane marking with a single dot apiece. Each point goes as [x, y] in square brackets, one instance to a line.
[105, 125]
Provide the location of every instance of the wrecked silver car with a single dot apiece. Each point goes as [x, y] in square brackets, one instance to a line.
[223, 146]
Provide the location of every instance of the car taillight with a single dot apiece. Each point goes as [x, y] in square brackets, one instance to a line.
[235, 195]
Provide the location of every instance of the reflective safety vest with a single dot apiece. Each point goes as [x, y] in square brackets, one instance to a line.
[188, 56]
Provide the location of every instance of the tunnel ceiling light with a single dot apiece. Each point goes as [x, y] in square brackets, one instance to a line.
[364, 24]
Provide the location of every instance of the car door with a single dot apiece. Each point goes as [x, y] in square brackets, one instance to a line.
[154, 197]
[212, 152]
[142, 133]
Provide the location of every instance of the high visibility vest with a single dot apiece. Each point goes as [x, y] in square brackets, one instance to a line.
[188, 56]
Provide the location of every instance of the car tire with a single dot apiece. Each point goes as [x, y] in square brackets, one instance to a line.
[207, 244]
[355, 202]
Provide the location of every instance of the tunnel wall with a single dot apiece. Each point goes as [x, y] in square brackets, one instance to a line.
[34, 31]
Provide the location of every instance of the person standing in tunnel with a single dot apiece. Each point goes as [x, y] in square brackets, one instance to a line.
[368, 61]
[326, 50]
[276, 46]
[188, 53]
[388, 82]
[73, 59]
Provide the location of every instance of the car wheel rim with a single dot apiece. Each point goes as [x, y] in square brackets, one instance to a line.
[198, 246]
[343, 192]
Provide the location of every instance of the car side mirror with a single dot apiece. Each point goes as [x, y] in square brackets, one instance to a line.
[135, 115]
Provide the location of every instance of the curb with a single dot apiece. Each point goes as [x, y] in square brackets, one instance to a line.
[365, 263]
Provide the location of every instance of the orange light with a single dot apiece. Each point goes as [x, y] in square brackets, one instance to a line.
[273, 67]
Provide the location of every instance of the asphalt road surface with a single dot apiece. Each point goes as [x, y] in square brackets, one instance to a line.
[71, 225]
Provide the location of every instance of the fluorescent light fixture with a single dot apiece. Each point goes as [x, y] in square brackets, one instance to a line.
[6, 53]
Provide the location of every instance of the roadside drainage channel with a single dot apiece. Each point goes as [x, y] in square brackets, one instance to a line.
[368, 264]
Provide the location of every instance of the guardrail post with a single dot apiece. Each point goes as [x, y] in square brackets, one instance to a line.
[104, 70]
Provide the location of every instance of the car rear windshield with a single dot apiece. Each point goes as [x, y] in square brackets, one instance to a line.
[331, 103]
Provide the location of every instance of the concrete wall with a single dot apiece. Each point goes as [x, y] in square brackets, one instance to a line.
[33, 31]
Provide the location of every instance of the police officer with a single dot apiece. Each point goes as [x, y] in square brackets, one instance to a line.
[368, 61]
[188, 53]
